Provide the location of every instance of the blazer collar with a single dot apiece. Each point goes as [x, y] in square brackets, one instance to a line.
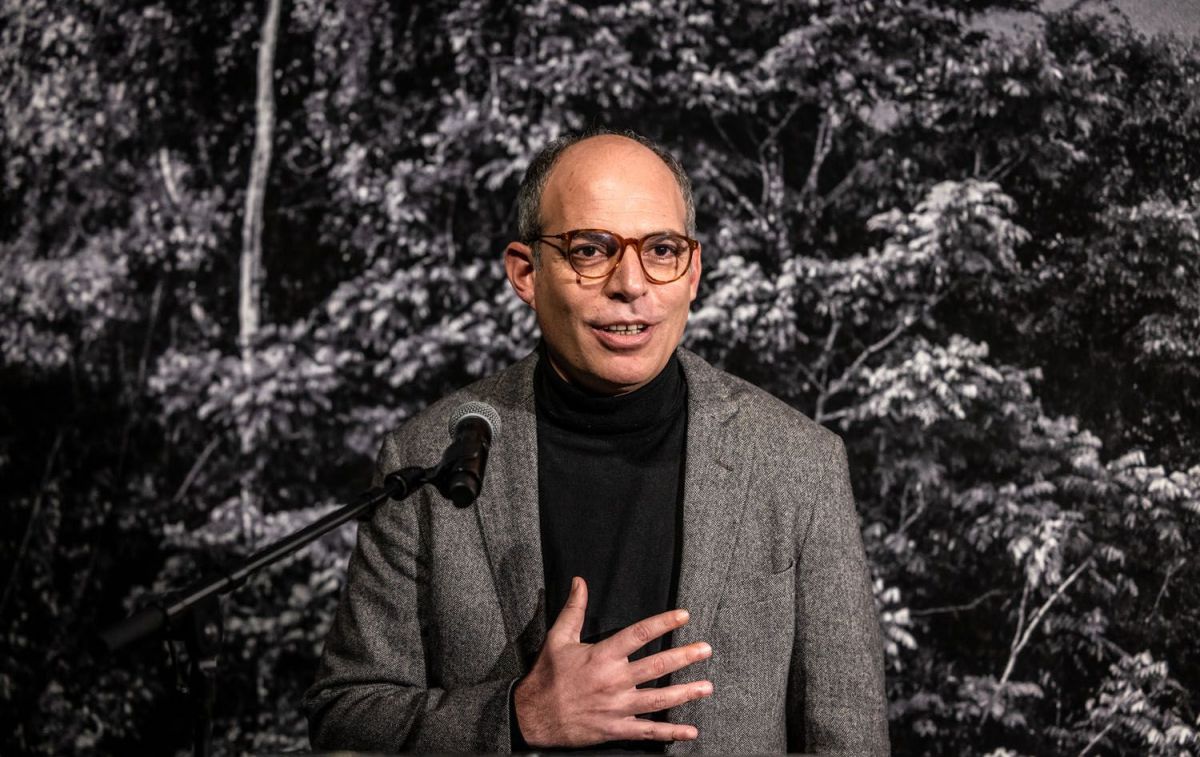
[715, 485]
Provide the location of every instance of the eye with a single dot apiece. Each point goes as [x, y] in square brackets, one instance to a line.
[587, 251]
[664, 247]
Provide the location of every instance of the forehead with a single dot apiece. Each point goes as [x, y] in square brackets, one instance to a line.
[613, 183]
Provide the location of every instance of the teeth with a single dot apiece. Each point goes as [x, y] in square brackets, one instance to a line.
[624, 329]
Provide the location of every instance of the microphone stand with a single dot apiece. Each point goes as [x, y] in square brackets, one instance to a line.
[193, 614]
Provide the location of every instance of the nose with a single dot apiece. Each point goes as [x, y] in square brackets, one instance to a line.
[627, 282]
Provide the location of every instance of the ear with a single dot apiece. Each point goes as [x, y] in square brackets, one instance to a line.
[693, 275]
[522, 273]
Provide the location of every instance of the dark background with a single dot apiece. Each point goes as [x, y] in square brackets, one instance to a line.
[962, 234]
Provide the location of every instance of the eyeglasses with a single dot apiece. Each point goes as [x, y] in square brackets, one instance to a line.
[595, 253]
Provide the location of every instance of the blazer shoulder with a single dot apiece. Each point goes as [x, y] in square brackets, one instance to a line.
[759, 409]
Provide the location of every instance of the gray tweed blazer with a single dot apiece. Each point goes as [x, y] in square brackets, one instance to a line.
[443, 608]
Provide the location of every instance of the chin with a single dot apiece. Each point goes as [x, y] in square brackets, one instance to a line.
[621, 372]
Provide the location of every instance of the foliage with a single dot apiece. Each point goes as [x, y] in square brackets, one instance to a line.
[975, 255]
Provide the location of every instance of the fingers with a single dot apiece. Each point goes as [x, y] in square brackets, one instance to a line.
[569, 623]
[632, 638]
[637, 729]
[668, 661]
[654, 700]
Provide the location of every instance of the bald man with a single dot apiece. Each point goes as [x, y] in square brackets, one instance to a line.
[662, 557]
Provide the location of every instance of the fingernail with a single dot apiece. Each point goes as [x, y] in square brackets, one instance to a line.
[705, 650]
[705, 688]
[691, 734]
[682, 615]
[574, 583]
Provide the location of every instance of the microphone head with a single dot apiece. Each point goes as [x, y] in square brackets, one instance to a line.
[478, 410]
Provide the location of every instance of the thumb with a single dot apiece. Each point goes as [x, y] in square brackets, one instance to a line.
[569, 624]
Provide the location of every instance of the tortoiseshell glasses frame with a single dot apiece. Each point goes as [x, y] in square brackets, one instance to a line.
[595, 253]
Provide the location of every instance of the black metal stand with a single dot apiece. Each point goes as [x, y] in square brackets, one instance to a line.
[193, 615]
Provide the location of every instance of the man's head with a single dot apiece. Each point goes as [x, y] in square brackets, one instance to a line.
[626, 185]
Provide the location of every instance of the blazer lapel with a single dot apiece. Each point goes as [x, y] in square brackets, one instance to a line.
[716, 481]
[508, 511]
[717, 472]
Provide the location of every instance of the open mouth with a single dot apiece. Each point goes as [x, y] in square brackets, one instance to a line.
[622, 328]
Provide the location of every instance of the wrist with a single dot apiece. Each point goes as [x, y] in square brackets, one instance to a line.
[516, 739]
[525, 711]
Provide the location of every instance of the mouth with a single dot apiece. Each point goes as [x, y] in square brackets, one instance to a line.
[624, 328]
[624, 335]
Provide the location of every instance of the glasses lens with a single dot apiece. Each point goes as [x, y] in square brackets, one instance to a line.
[666, 256]
[591, 252]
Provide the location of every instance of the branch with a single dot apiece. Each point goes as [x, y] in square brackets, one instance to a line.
[722, 133]
[1019, 645]
[250, 282]
[848, 374]
[836, 415]
[155, 306]
[33, 516]
[451, 247]
[821, 148]
[195, 469]
[773, 134]
[1020, 617]
[1002, 169]
[835, 328]
[957, 608]
[168, 175]
[809, 375]
[1098, 736]
[256, 188]
[746, 204]
[842, 186]
[733, 152]
[816, 375]
[840, 383]
[921, 505]
[766, 175]
[1163, 589]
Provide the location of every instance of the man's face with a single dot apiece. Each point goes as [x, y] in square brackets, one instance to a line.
[616, 184]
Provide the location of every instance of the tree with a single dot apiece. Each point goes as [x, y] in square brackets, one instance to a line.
[974, 255]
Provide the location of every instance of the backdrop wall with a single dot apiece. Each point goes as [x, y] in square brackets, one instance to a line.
[973, 254]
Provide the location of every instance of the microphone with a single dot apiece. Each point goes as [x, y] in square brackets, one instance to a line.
[473, 427]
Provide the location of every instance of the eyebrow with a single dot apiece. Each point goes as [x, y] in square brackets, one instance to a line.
[647, 234]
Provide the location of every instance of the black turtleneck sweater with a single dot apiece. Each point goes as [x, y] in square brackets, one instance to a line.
[610, 487]
[609, 474]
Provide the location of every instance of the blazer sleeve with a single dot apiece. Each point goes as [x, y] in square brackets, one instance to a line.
[836, 700]
[372, 691]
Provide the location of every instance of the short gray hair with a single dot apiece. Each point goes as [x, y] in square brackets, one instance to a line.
[529, 196]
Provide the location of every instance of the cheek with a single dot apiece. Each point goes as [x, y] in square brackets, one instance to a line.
[547, 299]
[556, 312]
[680, 307]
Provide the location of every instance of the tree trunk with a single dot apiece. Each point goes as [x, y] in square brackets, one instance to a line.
[250, 285]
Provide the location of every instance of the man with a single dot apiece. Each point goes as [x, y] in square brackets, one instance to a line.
[661, 554]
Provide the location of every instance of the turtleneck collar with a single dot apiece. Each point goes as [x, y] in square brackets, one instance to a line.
[575, 409]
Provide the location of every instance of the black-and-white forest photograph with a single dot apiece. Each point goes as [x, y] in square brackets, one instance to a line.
[244, 244]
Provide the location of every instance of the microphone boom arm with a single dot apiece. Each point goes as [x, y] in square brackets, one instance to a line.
[193, 614]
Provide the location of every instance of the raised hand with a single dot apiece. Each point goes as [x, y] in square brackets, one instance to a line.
[580, 694]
